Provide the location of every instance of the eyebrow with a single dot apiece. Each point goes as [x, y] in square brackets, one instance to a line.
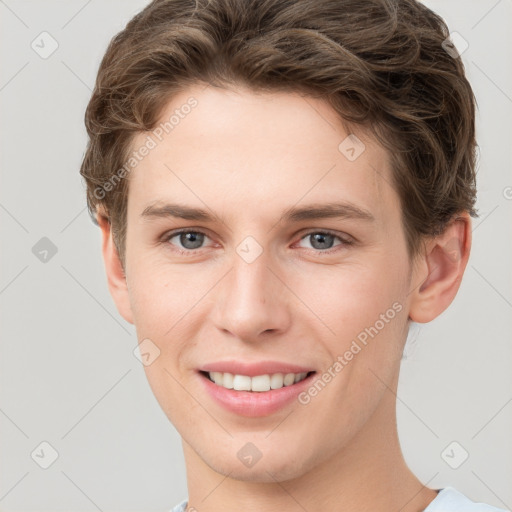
[294, 214]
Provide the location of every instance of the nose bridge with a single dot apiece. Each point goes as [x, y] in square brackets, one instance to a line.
[251, 301]
[252, 274]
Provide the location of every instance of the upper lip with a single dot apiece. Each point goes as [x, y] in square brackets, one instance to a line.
[253, 369]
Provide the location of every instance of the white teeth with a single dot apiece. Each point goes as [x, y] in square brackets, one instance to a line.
[257, 383]
[289, 379]
[216, 377]
[227, 380]
[276, 381]
[241, 383]
[260, 383]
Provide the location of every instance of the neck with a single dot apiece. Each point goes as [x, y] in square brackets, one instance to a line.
[367, 475]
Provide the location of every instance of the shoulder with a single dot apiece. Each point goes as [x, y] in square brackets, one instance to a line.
[180, 507]
[451, 500]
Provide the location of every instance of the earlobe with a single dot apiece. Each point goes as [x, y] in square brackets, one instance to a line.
[116, 277]
[438, 275]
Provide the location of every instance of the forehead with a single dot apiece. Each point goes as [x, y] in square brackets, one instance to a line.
[256, 152]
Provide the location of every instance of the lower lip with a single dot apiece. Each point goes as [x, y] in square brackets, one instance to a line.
[255, 403]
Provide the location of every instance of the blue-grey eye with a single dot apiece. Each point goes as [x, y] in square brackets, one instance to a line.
[190, 239]
[320, 240]
[195, 240]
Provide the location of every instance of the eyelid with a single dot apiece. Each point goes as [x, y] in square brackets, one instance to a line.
[345, 237]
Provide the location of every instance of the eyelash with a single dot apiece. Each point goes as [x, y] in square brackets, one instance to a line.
[192, 252]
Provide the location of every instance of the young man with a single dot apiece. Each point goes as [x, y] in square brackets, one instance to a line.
[282, 187]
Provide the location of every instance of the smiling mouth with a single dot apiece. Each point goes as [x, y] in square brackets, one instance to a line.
[258, 383]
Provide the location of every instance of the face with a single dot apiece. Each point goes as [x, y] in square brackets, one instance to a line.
[268, 279]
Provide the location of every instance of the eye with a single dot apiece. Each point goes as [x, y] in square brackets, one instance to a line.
[323, 240]
[189, 240]
[192, 240]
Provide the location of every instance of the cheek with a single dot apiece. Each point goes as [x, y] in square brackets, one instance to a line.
[349, 296]
[169, 306]
[361, 312]
[158, 297]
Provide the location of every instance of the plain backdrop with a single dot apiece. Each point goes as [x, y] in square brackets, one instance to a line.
[68, 376]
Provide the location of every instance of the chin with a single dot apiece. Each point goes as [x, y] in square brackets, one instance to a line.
[275, 465]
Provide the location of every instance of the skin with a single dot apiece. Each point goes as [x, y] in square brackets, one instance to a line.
[248, 157]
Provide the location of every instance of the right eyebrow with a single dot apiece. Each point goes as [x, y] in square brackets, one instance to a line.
[177, 210]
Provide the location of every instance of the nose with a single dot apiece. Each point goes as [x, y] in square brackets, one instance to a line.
[252, 301]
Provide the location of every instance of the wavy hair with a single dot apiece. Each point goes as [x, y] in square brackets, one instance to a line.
[379, 63]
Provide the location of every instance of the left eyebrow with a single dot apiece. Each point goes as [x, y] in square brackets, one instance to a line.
[344, 210]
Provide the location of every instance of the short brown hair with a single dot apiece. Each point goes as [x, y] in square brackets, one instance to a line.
[378, 63]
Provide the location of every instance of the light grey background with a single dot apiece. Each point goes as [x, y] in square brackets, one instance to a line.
[68, 375]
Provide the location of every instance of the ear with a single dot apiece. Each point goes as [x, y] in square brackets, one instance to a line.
[440, 270]
[115, 274]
